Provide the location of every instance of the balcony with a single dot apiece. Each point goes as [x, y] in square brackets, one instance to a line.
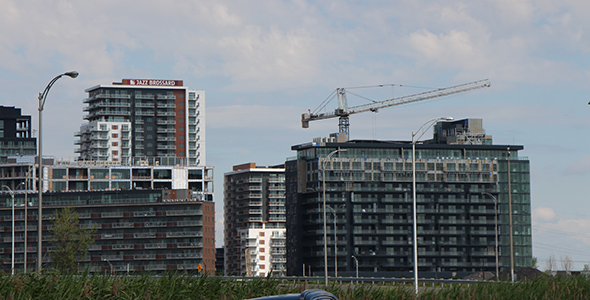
[165, 130]
[144, 113]
[111, 257]
[144, 235]
[109, 112]
[155, 224]
[106, 236]
[166, 105]
[146, 97]
[189, 223]
[165, 122]
[144, 105]
[190, 245]
[114, 214]
[123, 246]
[183, 212]
[183, 255]
[155, 246]
[122, 225]
[165, 147]
[184, 234]
[144, 214]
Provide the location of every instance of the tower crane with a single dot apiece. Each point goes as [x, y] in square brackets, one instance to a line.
[343, 111]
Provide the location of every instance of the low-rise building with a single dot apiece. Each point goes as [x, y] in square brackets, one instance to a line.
[152, 215]
[136, 230]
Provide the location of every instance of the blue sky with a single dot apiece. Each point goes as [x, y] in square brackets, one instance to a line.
[263, 63]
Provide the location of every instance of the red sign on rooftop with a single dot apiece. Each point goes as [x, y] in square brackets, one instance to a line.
[152, 82]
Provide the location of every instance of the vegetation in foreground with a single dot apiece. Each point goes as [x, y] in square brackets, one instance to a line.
[184, 286]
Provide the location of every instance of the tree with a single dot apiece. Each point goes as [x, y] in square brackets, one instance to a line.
[69, 241]
[567, 264]
[551, 263]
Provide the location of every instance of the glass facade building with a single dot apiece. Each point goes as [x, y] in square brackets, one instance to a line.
[369, 192]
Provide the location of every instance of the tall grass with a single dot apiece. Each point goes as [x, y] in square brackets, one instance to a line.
[185, 286]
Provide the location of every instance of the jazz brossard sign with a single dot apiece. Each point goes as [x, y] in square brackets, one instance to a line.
[152, 82]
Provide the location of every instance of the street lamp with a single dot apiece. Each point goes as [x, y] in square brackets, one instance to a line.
[26, 216]
[335, 244]
[496, 221]
[325, 226]
[357, 266]
[42, 97]
[11, 195]
[110, 264]
[422, 130]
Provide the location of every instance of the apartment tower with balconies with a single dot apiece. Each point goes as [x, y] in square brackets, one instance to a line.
[143, 118]
[254, 199]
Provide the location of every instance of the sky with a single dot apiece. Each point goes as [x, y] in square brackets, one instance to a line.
[264, 63]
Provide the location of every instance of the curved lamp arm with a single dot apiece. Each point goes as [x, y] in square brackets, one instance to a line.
[43, 95]
[430, 123]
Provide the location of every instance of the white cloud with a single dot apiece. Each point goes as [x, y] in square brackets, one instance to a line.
[543, 214]
[515, 11]
[581, 166]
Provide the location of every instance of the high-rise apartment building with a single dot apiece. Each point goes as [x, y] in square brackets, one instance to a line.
[143, 118]
[254, 199]
[368, 189]
[15, 134]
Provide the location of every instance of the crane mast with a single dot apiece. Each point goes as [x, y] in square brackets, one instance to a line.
[343, 111]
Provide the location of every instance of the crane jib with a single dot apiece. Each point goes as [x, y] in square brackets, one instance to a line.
[343, 111]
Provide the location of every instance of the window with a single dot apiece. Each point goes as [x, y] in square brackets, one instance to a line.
[262, 251]
[262, 257]
[262, 267]
[115, 144]
[115, 135]
[261, 242]
[115, 152]
[115, 127]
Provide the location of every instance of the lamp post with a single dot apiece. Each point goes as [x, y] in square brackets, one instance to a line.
[11, 195]
[357, 266]
[110, 264]
[325, 226]
[42, 97]
[496, 223]
[26, 216]
[335, 244]
[422, 130]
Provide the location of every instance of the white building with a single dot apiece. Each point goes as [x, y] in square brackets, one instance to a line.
[264, 251]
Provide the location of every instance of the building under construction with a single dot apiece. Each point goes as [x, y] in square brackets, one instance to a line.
[368, 192]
